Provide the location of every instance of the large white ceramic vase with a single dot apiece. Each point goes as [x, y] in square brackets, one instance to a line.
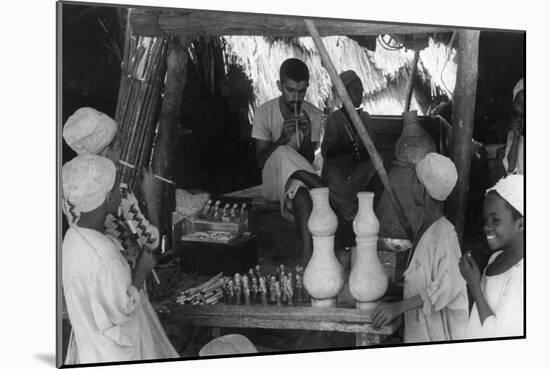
[323, 276]
[368, 281]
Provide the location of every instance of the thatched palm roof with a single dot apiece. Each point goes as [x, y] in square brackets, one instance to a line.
[382, 72]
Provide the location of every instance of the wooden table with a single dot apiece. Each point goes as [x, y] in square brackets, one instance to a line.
[286, 317]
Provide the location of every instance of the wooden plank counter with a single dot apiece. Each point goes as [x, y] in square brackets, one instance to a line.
[286, 317]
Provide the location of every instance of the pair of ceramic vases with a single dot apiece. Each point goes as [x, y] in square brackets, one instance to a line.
[324, 276]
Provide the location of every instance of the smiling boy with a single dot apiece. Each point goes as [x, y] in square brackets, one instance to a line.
[498, 293]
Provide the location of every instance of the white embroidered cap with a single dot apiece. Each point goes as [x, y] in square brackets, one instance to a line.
[89, 131]
[438, 175]
[86, 181]
[511, 188]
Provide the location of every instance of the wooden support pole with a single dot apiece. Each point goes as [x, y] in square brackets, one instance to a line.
[463, 123]
[410, 82]
[376, 160]
[169, 117]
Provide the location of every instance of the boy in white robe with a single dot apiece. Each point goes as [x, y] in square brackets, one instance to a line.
[498, 309]
[435, 301]
[111, 319]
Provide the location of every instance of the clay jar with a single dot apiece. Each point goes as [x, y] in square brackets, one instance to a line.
[414, 142]
[323, 276]
[322, 221]
[365, 223]
[368, 281]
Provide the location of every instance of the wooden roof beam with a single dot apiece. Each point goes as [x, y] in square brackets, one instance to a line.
[178, 22]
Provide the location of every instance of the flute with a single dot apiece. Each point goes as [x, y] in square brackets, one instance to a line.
[296, 124]
[154, 175]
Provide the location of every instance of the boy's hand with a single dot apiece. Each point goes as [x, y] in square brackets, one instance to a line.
[385, 313]
[145, 261]
[469, 270]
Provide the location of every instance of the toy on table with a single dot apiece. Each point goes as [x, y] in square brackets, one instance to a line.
[263, 290]
[243, 218]
[233, 216]
[289, 289]
[225, 215]
[246, 290]
[238, 288]
[231, 288]
[206, 209]
[283, 283]
[278, 293]
[272, 289]
[254, 289]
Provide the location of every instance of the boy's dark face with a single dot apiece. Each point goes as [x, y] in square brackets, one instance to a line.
[293, 92]
[355, 92]
[114, 150]
[417, 190]
[114, 198]
[500, 227]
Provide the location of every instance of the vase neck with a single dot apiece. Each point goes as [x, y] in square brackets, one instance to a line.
[323, 245]
[319, 195]
[369, 242]
[365, 198]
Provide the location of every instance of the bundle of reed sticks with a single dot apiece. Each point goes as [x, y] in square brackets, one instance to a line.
[142, 83]
[208, 293]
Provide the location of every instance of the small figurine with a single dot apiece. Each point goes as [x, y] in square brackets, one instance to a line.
[290, 289]
[258, 271]
[213, 209]
[299, 288]
[233, 213]
[263, 290]
[282, 271]
[226, 213]
[216, 211]
[243, 218]
[278, 293]
[206, 209]
[272, 289]
[231, 290]
[254, 288]
[238, 288]
[246, 290]
[283, 284]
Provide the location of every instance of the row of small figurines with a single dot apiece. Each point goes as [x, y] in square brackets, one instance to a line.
[281, 288]
[228, 213]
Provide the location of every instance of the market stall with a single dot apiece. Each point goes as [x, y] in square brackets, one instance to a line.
[216, 226]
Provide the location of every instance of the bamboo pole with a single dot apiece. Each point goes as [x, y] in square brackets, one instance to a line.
[463, 122]
[373, 153]
[169, 116]
[410, 82]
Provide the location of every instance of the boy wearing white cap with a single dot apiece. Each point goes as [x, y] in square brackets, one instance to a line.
[498, 294]
[435, 301]
[111, 319]
[89, 131]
